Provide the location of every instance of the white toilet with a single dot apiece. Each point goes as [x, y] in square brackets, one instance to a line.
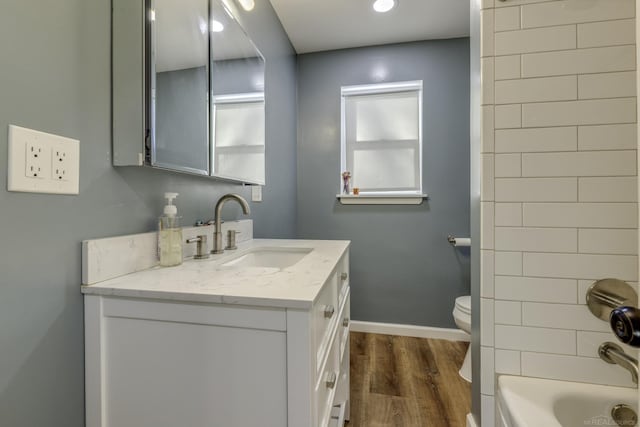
[462, 317]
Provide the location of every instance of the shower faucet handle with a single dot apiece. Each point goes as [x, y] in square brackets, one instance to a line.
[625, 324]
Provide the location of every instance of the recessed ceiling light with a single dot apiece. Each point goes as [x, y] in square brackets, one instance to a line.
[216, 26]
[247, 5]
[384, 5]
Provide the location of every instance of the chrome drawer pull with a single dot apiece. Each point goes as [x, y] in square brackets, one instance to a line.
[328, 311]
[344, 276]
[330, 380]
[345, 322]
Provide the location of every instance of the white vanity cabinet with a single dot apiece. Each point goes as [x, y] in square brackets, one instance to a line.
[166, 362]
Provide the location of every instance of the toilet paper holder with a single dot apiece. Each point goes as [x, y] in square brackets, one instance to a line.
[459, 241]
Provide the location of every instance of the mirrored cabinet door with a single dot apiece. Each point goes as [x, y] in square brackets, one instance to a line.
[179, 85]
[188, 95]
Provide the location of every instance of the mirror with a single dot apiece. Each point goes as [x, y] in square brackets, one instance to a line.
[206, 92]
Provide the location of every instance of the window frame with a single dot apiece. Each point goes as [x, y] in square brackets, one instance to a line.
[393, 196]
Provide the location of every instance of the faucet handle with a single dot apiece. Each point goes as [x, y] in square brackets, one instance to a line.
[201, 247]
[231, 239]
[625, 324]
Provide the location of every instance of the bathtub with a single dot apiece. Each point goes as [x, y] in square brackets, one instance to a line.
[534, 402]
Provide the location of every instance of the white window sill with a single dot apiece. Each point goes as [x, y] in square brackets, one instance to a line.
[381, 199]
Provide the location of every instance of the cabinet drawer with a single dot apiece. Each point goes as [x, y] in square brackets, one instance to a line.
[327, 384]
[343, 276]
[338, 413]
[344, 326]
[325, 315]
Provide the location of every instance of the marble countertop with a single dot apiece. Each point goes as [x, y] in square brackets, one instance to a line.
[296, 286]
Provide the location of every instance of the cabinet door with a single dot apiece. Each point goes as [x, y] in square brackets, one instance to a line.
[168, 374]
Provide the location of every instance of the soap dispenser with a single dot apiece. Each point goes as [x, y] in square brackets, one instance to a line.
[170, 234]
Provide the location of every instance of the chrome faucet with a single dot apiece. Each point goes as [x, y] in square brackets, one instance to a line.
[217, 235]
[614, 354]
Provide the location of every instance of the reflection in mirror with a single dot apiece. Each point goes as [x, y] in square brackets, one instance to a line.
[179, 113]
[237, 94]
[238, 133]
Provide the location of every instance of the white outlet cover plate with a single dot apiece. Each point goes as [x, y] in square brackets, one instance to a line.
[17, 179]
[256, 193]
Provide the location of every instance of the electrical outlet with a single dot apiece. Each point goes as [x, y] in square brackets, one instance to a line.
[256, 193]
[35, 159]
[40, 162]
[59, 163]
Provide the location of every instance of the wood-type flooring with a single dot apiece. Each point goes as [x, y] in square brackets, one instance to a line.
[407, 382]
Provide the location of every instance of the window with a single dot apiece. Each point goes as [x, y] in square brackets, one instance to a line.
[238, 136]
[382, 139]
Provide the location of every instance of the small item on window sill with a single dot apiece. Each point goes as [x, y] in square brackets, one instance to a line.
[356, 191]
[346, 178]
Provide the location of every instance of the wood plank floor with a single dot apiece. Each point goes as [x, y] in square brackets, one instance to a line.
[407, 382]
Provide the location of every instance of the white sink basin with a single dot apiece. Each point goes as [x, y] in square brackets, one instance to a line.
[534, 402]
[268, 258]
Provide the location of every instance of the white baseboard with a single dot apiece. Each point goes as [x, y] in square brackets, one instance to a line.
[409, 331]
[471, 421]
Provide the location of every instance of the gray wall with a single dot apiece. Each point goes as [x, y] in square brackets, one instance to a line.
[403, 270]
[55, 77]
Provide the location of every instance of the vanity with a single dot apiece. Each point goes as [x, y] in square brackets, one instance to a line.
[253, 337]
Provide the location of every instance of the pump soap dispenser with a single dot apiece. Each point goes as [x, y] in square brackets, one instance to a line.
[170, 234]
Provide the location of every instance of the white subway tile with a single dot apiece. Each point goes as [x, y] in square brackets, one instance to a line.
[487, 220]
[507, 362]
[486, 184]
[535, 289]
[486, 322]
[583, 215]
[582, 163]
[508, 165]
[602, 189]
[536, 189]
[580, 61]
[536, 140]
[561, 316]
[535, 339]
[508, 312]
[507, 18]
[575, 12]
[607, 137]
[537, 40]
[488, 410]
[536, 239]
[607, 85]
[585, 112]
[560, 88]
[486, 33]
[607, 33]
[510, 3]
[486, 70]
[508, 116]
[487, 261]
[507, 67]
[487, 370]
[488, 132]
[508, 214]
[588, 343]
[579, 266]
[573, 368]
[607, 241]
[508, 263]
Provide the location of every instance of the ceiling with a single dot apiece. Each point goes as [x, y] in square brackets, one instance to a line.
[181, 30]
[316, 25]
